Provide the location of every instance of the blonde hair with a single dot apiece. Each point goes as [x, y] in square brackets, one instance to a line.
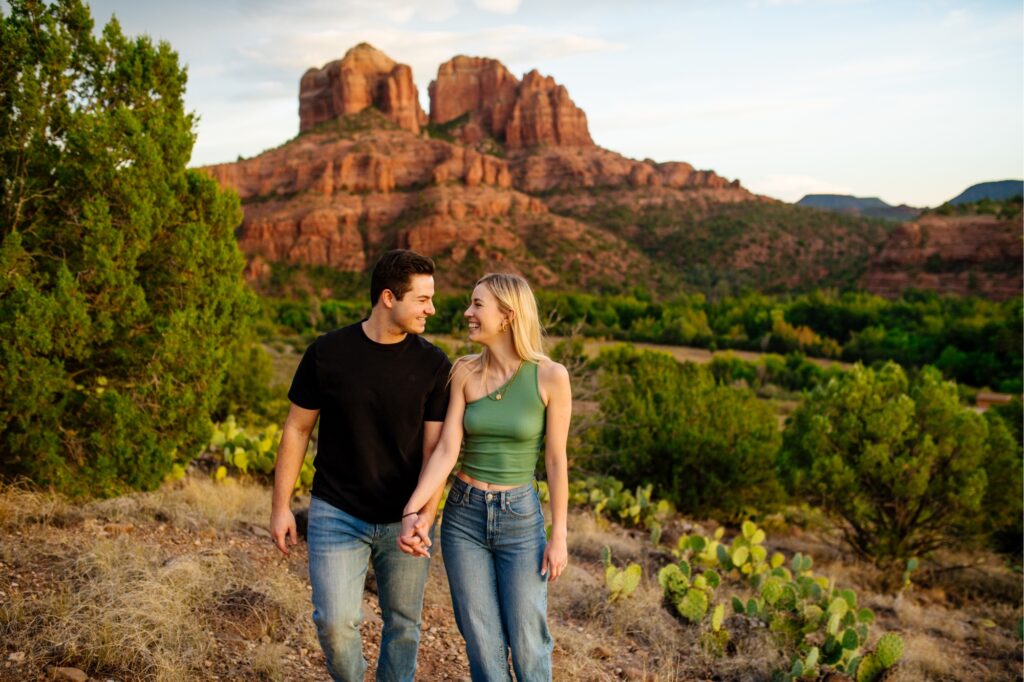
[514, 295]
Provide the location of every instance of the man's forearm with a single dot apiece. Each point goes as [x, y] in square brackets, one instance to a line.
[290, 455]
[430, 508]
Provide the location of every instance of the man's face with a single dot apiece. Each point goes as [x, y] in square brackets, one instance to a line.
[411, 312]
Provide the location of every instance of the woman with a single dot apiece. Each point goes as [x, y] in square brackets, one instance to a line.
[508, 402]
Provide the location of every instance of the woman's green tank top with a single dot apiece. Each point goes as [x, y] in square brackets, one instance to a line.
[503, 437]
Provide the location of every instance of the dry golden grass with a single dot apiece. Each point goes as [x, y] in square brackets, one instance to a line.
[21, 506]
[589, 535]
[913, 616]
[193, 503]
[926, 658]
[131, 604]
[266, 660]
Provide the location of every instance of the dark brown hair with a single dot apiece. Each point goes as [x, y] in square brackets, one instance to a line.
[394, 271]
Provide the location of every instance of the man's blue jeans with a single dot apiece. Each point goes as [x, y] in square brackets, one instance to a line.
[340, 548]
[493, 545]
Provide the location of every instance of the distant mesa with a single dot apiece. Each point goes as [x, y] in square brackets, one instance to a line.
[961, 254]
[867, 207]
[993, 191]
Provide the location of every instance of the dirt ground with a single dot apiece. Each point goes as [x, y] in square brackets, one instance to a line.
[184, 584]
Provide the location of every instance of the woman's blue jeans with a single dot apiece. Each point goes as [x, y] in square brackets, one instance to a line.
[340, 548]
[493, 545]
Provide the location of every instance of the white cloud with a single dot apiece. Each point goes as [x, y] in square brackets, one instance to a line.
[516, 46]
[438, 10]
[957, 17]
[499, 6]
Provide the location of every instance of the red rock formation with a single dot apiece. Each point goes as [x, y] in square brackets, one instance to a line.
[364, 77]
[534, 112]
[340, 196]
[979, 255]
[306, 201]
[481, 87]
[376, 161]
[545, 115]
[555, 168]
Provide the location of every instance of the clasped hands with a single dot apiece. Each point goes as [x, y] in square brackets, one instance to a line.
[414, 537]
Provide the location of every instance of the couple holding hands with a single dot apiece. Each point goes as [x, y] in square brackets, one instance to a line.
[394, 416]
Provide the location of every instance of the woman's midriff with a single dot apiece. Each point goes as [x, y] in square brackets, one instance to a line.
[483, 485]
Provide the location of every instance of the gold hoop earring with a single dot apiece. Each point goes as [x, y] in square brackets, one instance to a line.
[504, 325]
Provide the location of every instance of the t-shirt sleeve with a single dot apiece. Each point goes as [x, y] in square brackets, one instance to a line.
[437, 399]
[305, 390]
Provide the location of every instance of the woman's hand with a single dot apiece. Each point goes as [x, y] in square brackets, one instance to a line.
[409, 539]
[556, 558]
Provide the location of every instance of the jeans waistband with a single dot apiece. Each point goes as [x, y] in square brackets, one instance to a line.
[477, 495]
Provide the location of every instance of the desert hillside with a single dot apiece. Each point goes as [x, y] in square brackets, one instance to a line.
[502, 172]
[184, 584]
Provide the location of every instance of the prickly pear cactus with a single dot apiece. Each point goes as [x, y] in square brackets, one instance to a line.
[673, 582]
[889, 649]
[622, 582]
[869, 669]
[771, 590]
[693, 606]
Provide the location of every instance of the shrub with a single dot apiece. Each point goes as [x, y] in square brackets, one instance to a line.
[1004, 468]
[900, 462]
[121, 296]
[707, 448]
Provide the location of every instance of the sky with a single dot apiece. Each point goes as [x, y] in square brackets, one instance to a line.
[906, 100]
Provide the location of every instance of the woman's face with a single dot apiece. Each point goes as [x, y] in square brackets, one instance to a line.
[484, 316]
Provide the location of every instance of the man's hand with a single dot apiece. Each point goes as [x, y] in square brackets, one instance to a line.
[424, 522]
[282, 529]
[409, 539]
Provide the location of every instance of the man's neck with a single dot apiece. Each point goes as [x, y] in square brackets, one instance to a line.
[380, 330]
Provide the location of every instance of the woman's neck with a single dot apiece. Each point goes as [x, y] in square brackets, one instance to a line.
[504, 359]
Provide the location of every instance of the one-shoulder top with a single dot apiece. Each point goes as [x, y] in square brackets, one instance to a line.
[503, 437]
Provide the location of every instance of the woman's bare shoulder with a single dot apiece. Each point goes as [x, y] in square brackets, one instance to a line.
[549, 371]
[463, 367]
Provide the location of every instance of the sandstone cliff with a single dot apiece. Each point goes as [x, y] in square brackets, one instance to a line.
[978, 255]
[534, 112]
[340, 201]
[364, 77]
[506, 176]
[556, 168]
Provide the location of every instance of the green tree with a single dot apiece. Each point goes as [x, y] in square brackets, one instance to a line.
[901, 463]
[1004, 466]
[121, 296]
[708, 448]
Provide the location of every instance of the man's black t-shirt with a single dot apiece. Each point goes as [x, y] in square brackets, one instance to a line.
[373, 399]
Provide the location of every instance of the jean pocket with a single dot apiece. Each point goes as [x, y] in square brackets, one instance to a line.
[456, 496]
[524, 507]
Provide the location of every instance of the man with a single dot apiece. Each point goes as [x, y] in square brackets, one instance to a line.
[381, 392]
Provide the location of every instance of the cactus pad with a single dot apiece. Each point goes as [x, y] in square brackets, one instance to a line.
[889, 649]
[693, 606]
